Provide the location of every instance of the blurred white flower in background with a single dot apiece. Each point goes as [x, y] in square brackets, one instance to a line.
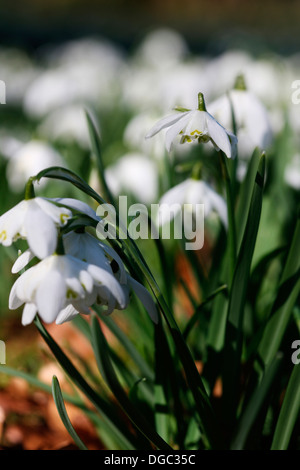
[28, 160]
[9, 144]
[191, 192]
[134, 174]
[17, 71]
[223, 69]
[161, 48]
[134, 136]
[67, 124]
[268, 78]
[251, 118]
[292, 172]
[82, 71]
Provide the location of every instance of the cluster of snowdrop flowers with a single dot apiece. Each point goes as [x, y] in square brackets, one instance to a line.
[74, 270]
[194, 126]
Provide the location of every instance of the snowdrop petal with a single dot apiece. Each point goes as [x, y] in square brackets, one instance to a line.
[101, 276]
[77, 205]
[74, 288]
[41, 232]
[22, 261]
[29, 312]
[50, 305]
[175, 130]
[14, 300]
[219, 135]
[66, 314]
[59, 215]
[165, 122]
[86, 281]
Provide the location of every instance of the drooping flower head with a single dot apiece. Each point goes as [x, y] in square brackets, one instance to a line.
[35, 220]
[58, 282]
[195, 125]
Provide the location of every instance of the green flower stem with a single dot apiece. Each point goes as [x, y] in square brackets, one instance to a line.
[29, 189]
[231, 217]
[60, 250]
[201, 102]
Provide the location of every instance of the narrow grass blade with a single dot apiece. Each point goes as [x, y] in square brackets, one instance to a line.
[289, 412]
[194, 318]
[234, 334]
[107, 371]
[96, 149]
[245, 193]
[120, 432]
[288, 292]
[127, 344]
[255, 404]
[59, 402]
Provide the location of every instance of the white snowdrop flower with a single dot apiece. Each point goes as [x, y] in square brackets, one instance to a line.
[134, 174]
[36, 220]
[87, 248]
[292, 172]
[190, 193]
[57, 282]
[29, 159]
[251, 117]
[76, 205]
[196, 125]
[84, 246]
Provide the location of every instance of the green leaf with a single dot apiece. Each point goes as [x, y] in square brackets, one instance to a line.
[107, 371]
[127, 344]
[245, 193]
[59, 402]
[289, 412]
[117, 429]
[198, 310]
[96, 149]
[253, 409]
[60, 173]
[234, 333]
[288, 292]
